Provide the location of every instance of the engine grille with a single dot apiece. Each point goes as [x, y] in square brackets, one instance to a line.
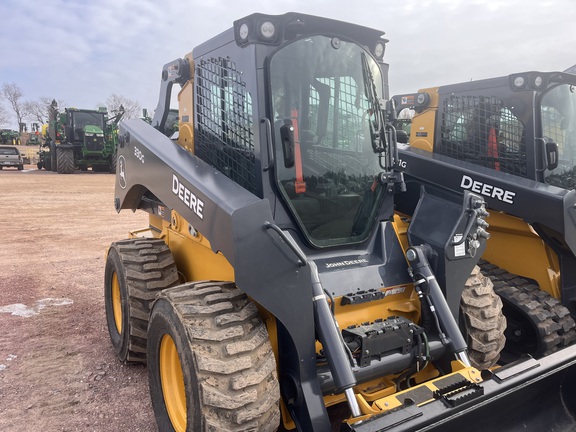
[94, 143]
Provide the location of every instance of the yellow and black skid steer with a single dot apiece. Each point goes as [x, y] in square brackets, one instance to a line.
[270, 290]
[512, 139]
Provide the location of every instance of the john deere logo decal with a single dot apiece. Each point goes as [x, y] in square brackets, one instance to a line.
[122, 172]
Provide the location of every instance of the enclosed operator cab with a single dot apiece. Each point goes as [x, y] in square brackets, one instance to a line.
[270, 288]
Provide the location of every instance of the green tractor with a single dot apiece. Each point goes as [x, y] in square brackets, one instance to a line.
[34, 136]
[9, 136]
[80, 139]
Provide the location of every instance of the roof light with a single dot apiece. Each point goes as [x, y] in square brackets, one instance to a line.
[267, 30]
[519, 82]
[538, 81]
[243, 31]
[379, 50]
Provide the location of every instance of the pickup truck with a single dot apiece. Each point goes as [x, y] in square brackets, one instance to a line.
[9, 157]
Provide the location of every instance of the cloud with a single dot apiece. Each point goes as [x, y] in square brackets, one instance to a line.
[82, 51]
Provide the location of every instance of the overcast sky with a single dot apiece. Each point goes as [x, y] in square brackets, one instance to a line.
[82, 51]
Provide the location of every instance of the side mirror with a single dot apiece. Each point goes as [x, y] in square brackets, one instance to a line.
[551, 155]
[287, 138]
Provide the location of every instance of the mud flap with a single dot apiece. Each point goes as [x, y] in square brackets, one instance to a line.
[528, 395]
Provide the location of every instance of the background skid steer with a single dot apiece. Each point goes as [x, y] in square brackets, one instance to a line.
[513, 140]
[270, 289]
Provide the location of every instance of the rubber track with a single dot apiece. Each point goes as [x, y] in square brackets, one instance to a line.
[65, 160]
[235, 363]
[484, 321]
[149, 268]
[556, 328]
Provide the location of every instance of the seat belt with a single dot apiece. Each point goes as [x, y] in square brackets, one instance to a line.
[493, 148]
[300, 184]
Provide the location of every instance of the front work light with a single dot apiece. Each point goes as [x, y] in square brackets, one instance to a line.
[267, 30]
[243, 31]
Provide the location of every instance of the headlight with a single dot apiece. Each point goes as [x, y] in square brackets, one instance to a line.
[379, 50]
[243, 31]
[519, 82]
[538, 80]
[267, 30]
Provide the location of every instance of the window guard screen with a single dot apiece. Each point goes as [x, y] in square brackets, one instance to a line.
[481, 130]
[224, 121]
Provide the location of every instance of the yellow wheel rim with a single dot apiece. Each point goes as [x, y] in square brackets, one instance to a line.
[172, 382]
[116, 303]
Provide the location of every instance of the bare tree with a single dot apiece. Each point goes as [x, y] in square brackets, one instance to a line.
[4, 117]
[38, 110]
[131, 107]
[13, 95]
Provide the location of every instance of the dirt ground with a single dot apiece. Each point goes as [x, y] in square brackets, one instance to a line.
[58, 371]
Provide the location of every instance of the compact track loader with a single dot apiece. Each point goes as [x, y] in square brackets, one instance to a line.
[511, 139]
[270, 290]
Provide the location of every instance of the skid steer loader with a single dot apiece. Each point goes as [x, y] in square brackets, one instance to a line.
[270, 290]
[511, 139]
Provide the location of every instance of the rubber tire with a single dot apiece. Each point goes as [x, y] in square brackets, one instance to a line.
[40, 165]
[53, 161]
[228, 366]
[113, 161]
[143, 268]
[18, 141]
[548, 318]
[20, 167]
[65, 160]
[482, 321]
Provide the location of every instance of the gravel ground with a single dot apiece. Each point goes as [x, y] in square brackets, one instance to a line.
[58, 371]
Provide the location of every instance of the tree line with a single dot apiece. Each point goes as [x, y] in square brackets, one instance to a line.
[36, 111]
